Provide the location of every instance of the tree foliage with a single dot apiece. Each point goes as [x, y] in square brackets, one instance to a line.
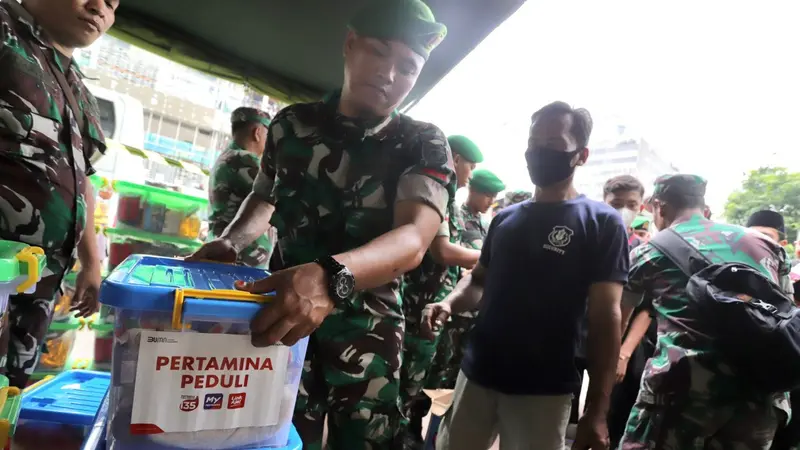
[768, 188]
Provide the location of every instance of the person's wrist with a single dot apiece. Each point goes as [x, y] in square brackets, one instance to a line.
[624, 356]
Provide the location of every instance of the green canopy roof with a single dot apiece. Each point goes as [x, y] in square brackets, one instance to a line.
[289, 50]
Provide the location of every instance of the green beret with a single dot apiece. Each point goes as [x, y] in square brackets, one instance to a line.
[682, 185]
[461, 145]
[486, 182]
[408, 21]
[247, 114]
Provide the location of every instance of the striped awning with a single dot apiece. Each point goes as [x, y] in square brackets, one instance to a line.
[159, 158]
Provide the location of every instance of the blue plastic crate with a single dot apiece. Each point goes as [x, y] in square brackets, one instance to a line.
[169, 294]
[71, 398]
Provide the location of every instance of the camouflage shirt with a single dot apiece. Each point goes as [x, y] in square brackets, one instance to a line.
[685, 364]
[230, 183]
[334, 183]
[475, 229]
[44, 161]
[430, 282]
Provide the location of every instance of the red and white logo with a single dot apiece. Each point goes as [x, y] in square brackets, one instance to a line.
[236, 401]
[189, 402]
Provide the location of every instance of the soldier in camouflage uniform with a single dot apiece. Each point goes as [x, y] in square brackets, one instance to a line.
[232, 180]
[689, 397]
[357, 193]
[483, 189]
[47, 147]
[431, 282]
[511, 198]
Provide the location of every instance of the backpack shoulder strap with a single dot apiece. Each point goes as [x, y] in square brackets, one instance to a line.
[680, 252]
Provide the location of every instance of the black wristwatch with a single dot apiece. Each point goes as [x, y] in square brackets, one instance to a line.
[341, 281]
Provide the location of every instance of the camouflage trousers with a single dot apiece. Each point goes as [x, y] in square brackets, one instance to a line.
[352, 377]
[450, 351]
[418, 354]
[24, 328]
[701, 426]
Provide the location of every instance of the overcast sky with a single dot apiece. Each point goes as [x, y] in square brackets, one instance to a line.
[714, 85]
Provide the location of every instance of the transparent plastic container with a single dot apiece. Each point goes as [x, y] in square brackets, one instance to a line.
[166, 294]
[58, 344]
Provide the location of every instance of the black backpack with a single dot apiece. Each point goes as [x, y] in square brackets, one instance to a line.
[753, 324]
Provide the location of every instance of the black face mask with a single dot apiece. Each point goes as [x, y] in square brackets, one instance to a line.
[547, 166]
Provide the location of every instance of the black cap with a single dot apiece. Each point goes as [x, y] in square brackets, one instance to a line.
[768, 219]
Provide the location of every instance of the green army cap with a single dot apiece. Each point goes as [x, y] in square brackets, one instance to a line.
[641, 222]
[247, 114]
[486, 182]
[461, 145]
[408, 21]
[518, 196]
[679, 184]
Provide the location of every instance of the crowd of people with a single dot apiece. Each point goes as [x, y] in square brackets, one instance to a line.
[352, 206]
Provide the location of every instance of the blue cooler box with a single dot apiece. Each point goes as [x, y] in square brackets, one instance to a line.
[172, 295]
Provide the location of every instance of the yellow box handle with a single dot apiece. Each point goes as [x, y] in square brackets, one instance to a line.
[28, 256]
[39, 383]
[215, 294]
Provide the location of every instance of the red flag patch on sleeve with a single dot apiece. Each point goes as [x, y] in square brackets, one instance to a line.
[435, 174]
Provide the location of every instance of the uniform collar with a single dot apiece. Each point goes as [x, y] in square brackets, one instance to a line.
[234, 146]
[353, 128]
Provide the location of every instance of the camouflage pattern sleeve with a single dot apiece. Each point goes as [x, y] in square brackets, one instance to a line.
[784, 271]
[265, 179]
[432, 179]
[644, 259]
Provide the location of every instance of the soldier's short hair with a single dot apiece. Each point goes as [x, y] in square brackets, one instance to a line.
[581, 120]
[623, 183]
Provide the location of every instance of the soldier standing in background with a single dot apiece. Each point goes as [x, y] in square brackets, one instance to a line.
[431, 282]
[689, 397]
[232, 178]
[49, 136]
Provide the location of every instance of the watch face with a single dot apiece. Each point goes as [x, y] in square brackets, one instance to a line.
[345, 283]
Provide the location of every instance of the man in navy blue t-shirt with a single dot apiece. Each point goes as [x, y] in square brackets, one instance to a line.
[541, 260]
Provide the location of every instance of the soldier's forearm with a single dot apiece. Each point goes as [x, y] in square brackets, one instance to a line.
[446, 253]
[384, 258]
[468, 292]
[390, 255]
[88, 253]
[250, 222]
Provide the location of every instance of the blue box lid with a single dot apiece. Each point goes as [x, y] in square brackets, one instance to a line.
[149, 283]
[71, 398]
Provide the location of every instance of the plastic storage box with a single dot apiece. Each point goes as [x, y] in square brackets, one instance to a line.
[125, 241]
[96, 439]
[57, 413]
[165, 305]
[159, 210]
[10, 402]
[20, 269]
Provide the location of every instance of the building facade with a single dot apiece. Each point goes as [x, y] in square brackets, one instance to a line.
[186, 113]
[623, 154]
